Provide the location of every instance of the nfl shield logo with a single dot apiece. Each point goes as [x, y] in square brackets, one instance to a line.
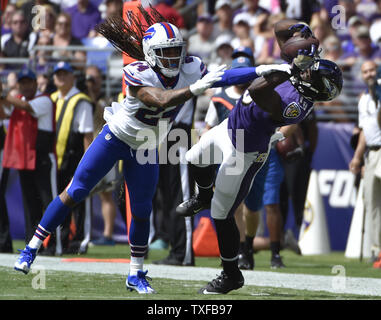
[292, 110]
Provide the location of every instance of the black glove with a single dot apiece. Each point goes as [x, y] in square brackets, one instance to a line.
[304, 59]
[295, 154]
[304, 29]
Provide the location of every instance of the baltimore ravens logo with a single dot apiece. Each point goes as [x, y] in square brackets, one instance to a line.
[292, 110]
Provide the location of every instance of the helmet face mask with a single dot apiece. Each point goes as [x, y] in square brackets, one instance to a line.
[164, 48]
[325, 83]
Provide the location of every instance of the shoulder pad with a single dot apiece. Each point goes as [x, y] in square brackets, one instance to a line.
[193, 64]
[138, 73]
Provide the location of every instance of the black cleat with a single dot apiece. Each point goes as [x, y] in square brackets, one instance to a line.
[246, 260]
[276, 262]
[192, 206]
[222, 284]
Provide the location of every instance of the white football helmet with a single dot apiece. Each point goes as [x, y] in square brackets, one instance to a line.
[159, 37]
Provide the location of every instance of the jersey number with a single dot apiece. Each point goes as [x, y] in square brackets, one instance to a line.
[151, 117]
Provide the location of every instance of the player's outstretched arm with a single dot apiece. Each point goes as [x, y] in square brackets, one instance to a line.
[263, 93]
[244, 75]
[161, 98]
[286, 28]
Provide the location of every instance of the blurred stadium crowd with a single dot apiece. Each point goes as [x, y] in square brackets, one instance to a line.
[348, 31]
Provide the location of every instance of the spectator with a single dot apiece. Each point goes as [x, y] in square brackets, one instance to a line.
[31, 9]
[201, 44]
[85, 17]
[74, 135]
[353, 23]
[47, 27]
[241, 29]
[245, 52]
[349, 7]
[224, 13]
[105, 187]
[253, 11]
[367, 8]
[320, 29]
[45, 84]
[376, 15]
[364, 48]
[101, 58]
[332, 50]
[43, 58]
[6, 19]
[270, 51]
[164, 7]
[19, 42]
[63, 38]
[222, 54]
[369, 150]
[114, 7]
[301, 10]
[29, 147]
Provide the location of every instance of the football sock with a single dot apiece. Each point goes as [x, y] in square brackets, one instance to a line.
[241, 246]
[204, 177]
[275, 248]
[38, 238]
[136, 264]
[228, 242]
[249, 243]
[54, 215]
[138, 238]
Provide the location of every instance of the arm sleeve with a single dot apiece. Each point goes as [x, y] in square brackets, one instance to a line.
[236, 76]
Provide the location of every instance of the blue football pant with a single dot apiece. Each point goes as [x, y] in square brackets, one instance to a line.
[141, 179]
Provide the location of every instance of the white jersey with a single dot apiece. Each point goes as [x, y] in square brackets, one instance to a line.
[140, 125]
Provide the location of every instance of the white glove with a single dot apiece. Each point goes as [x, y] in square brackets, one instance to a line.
[266, 69]
[207, 81]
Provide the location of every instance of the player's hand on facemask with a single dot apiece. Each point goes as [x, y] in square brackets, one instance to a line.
[266, 69]
[305, 58]
[207, 81]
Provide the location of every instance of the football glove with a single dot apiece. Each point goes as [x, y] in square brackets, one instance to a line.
[266, 69]
[305, 58]
[295, 154]
[303, 28]
[207, 81]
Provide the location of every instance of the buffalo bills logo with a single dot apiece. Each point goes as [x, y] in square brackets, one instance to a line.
[149, 33]
[292, 110]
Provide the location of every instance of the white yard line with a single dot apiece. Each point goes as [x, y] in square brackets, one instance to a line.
[334, 284]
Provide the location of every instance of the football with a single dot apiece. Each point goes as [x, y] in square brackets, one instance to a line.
[291, 47]
[285, 146]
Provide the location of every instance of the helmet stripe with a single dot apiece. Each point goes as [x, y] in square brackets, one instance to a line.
[168, 29]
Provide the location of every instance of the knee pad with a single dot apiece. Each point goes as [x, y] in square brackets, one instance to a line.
[77, 194]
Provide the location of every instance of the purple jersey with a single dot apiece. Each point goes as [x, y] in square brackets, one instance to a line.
[256, 124]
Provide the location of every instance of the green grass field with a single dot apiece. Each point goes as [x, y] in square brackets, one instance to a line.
[65, 285]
